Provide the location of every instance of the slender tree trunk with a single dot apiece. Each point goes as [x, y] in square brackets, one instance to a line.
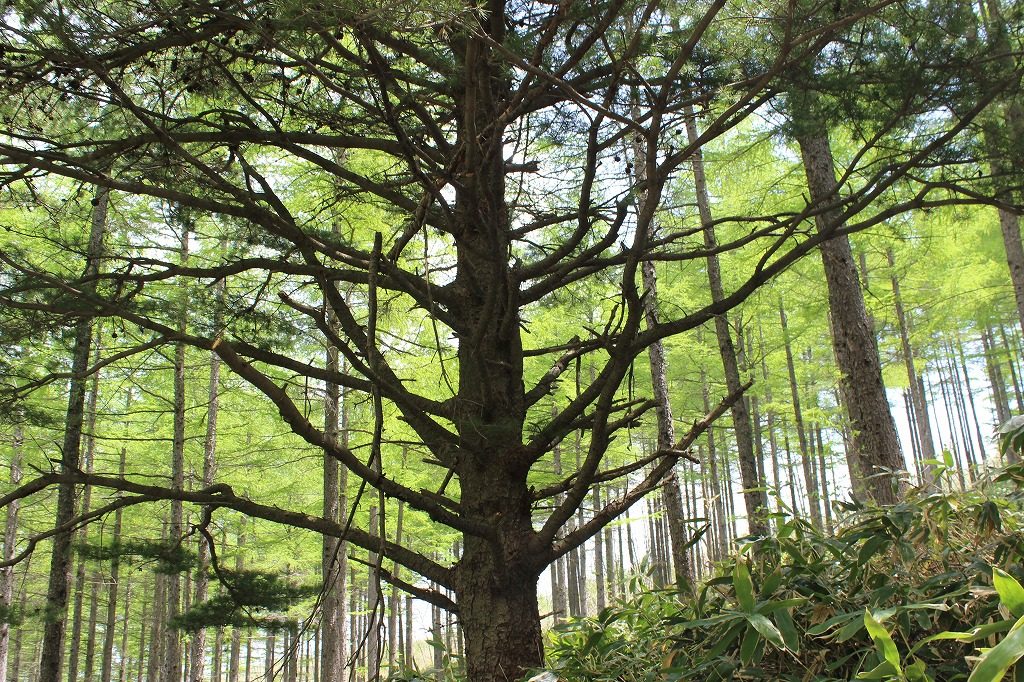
[394, 600]
[798, 419]
[754, 497]
[52, 649]
[83, 534]
[581, 565]
[171, 670]
[995, 373]
[157, 650]
[197, 647]
[965, 370]
[599, 565]
[856, 351]
[435, 621]
[332, 666]
[572, 581]
[18, 639]
[559, 587]
[609, 553]
[248, 656]
[773, 446]
[408, 658]
[718, 504]
[1012, 365]
[269, 657]
[107, 663]
[10, 538]
[125, 623]
[375, 616]
[823, 480]
[218, 657]
[234, 659]
[671, 496]
[922, 422]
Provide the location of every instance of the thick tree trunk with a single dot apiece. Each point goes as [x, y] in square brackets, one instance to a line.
[500, 618]
[52, 649]
[856, 351]
[1002, 138]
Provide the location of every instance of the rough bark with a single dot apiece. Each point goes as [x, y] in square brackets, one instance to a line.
[856, 350]
[52, 649]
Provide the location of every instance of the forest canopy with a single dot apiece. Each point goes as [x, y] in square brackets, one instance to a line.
[410, 255]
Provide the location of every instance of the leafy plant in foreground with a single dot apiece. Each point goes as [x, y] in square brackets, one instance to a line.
[909, 592]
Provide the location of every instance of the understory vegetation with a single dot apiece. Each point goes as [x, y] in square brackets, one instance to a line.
[927, 589]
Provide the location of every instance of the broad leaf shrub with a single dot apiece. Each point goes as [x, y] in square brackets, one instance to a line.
[928, 589]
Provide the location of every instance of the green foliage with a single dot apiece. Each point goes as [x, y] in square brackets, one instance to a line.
[250, 599]
[899, 593]
[1011, 434]
[167, 557]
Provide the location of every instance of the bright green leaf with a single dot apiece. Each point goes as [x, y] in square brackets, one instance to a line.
[744, 587]
[1011, 594]
[996, 661]
[883, 641]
